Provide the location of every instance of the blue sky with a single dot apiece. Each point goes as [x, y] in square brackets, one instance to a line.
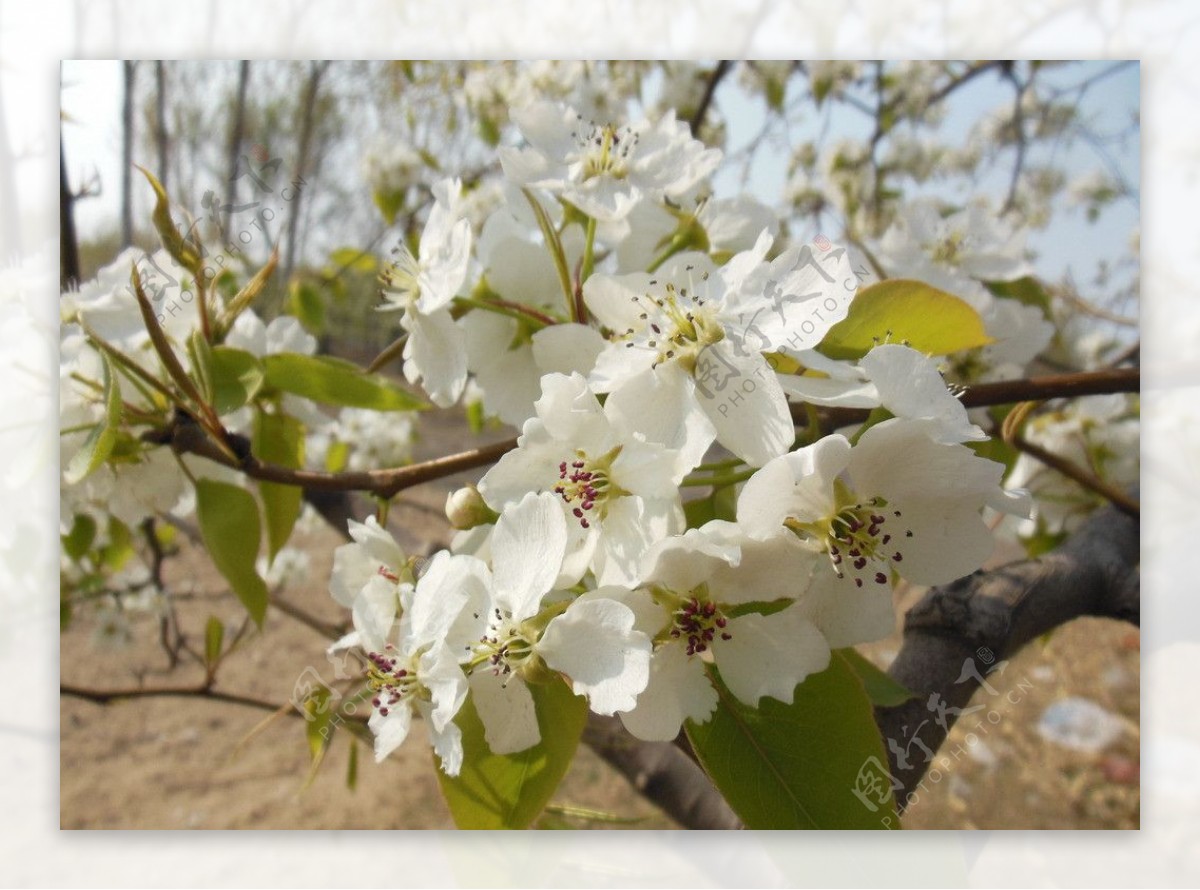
[91, 101]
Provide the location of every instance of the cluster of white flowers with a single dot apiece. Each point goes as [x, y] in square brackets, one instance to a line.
[1099, 433]
[580, 565]
[957, 252]
[361, 439]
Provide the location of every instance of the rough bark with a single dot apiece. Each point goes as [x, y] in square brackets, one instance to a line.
[958, 631]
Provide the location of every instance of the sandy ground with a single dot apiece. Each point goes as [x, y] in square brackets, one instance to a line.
[176, 762]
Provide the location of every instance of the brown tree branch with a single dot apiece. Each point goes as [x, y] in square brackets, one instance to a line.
[710, 89]
[1009, 392]
[389, 482]
[108, 696]
[959, 631]
[661, 773]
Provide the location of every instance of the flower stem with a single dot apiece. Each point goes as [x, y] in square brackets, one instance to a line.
[504, 307]
[677, 244]
[589, 247]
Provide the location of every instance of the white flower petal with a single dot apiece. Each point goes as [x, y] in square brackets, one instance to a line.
[507, 712]
[378, 543]
[374, 612]
[448, 584]
[677, 690]
[571, 414]
[686, 561]
[847, 614]
[447, 745]
[611, 299]
[436, 356]
[567, 349]
[528, 546]
[390, 731]
[447, 684]
[772, 569]
[909, 385]
[770, 654]
[750, 414]
[848, 393]
[593, 642]
[629, 528]
[661, 404]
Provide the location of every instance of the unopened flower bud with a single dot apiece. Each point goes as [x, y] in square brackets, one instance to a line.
[465, 508]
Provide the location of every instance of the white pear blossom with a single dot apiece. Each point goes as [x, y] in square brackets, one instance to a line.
[904, 381]
[728, 225]
[372, 439]
[618, 492]
[692, 600]
[602, 169]
[423, 286]
[686, 365]
[974, 241]
[1101, 433]
[370, 577]
[507, 362]
[872, 515]
[283, 334]
[421, 674]
[519, 635]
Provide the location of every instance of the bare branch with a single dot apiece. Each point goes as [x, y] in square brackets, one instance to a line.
[710, 90]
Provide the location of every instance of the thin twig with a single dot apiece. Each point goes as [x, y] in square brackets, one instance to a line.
[710, 90]
[1071, 470]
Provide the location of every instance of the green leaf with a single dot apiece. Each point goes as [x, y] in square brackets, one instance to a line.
[305, 302]
[336, 456]
[172, 239]
[336, 382]
[78, 541]
[352, 766]
[279, 439]
[119, 548]
[799, 765]
[248, 294]
[489, 132]
[214, 637]
[1026, 289]
[237, 376]
[475, 417]
[317, 717]
[99, 443]
[927, 319]
[200, 354]
[354, 260]
[880, 688]
[231, 530]
[510, 790]
[721, 504]
[389, 203]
